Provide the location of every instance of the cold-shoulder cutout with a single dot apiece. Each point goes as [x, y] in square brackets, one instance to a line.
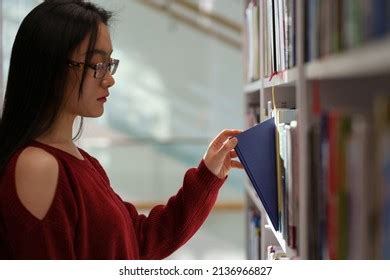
[36, 177]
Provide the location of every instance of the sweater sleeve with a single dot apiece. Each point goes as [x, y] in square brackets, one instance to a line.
[27, 237]
[168, 227]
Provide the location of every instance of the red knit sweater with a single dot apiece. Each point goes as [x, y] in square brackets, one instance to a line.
[88, 220]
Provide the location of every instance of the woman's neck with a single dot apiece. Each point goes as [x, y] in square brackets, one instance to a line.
[60, 133]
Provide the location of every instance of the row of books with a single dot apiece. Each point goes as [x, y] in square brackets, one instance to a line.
[279, 35]
[349, 194]
[285, 172]
[331, 26]
[252, 33]
[335, 25]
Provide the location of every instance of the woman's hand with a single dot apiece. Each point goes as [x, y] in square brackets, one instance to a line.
[219, 155]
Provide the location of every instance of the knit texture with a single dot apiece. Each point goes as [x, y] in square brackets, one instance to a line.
[88, 220]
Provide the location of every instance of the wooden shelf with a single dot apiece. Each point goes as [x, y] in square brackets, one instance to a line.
[285, 78]
[367, 60]
[257, 202]
[291, 253]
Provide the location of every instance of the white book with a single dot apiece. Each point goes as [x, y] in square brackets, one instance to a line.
[255, 28]
[267, 49]
[249, 24]
[284, 115]
[282, 35]
[290, 165]
[357, 182]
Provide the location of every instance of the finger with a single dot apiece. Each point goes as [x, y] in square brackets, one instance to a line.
[233, 154]
[236, 164]
[225, 134]
[228, 146]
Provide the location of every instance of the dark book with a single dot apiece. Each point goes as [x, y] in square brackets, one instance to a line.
[257, 153]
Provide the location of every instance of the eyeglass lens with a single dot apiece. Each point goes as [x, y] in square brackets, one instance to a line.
[102, 68]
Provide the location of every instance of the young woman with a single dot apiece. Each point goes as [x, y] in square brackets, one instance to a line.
[55, 199]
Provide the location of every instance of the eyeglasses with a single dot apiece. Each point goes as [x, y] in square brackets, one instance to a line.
[99, 68]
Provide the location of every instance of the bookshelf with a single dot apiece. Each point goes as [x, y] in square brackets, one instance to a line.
[286, 78]
[336, 75]
[366, 60]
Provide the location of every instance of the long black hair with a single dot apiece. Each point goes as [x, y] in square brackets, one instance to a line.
[39, 69]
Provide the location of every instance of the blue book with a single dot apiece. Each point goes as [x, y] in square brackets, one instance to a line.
[380, 20]
[257, 153]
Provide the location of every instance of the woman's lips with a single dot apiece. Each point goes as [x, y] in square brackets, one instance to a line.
[103, 98]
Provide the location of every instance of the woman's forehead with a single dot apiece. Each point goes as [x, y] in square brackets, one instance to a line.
[103, 46]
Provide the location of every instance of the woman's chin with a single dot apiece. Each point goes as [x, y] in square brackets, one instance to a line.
[95, 114]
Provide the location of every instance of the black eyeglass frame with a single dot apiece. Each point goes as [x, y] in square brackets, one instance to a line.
[106, 66]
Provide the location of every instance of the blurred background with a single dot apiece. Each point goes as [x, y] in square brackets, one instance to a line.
[177, 86]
